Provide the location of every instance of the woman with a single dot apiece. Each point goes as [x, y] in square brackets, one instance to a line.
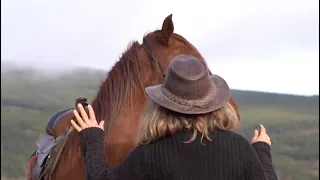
[187, 133]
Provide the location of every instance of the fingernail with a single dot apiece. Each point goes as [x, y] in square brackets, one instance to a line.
[79, 104]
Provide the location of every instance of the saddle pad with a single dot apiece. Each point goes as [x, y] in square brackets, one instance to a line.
[54, 156]
[45, 145]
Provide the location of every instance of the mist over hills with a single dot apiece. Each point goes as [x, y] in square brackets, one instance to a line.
[27, 69]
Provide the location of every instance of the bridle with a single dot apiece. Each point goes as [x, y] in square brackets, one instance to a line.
[152, 56]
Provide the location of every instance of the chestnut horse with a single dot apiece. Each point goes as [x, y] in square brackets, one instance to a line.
[121, 98]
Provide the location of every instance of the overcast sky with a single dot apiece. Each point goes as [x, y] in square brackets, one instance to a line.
[268, 46]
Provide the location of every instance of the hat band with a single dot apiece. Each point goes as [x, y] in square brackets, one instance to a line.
[189, 103]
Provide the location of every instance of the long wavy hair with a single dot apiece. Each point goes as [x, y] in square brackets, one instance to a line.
[159, 122]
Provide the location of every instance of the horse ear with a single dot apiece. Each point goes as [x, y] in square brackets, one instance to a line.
[167, 27]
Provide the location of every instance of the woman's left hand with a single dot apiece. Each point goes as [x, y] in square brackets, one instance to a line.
[84, 121]
[262, 136]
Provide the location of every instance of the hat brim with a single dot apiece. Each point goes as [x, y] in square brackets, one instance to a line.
[220, 97]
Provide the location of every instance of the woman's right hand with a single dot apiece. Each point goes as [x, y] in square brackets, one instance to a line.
[262, 137]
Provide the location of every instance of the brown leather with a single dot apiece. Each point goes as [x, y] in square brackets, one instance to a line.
[62, 122]
[81, 100]
[188, 88]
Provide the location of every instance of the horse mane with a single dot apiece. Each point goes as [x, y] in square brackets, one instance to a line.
[122, 80]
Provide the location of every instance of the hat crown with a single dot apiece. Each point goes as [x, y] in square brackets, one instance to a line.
[188, 78]
[188, 88]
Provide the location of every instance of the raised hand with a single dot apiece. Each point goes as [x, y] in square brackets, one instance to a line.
[85, 121]
[262, 137]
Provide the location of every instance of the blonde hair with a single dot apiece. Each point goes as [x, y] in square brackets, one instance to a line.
[158, 122]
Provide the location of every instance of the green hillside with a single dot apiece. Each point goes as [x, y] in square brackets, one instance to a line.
[28, 99]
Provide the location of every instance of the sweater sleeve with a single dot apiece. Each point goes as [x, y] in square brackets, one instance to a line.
[92, 145]
[258, 164]
[263, 151]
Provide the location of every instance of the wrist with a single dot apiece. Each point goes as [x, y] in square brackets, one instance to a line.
[92, 134]
[261, 146]
[92, 137]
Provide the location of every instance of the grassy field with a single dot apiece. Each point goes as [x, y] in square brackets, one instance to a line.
[28, 99]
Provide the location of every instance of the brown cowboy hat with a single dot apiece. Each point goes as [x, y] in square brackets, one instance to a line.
[188, 88]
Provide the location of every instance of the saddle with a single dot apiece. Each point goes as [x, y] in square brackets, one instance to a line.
[59, 123]
[51, 144]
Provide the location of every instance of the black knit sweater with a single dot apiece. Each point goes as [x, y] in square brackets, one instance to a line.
[229, 156]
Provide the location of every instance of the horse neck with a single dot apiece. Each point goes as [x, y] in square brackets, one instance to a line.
[121, 98]
[122, 137]
[125, 127]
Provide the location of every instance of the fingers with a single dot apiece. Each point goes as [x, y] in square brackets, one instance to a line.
[101, 125]
[92, 116]
[75, 125]
[256, 134]
[262, 129]
[83, 113]
[83, 120]
[79, 119]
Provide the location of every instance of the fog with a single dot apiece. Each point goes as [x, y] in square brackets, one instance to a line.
[268, 46]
